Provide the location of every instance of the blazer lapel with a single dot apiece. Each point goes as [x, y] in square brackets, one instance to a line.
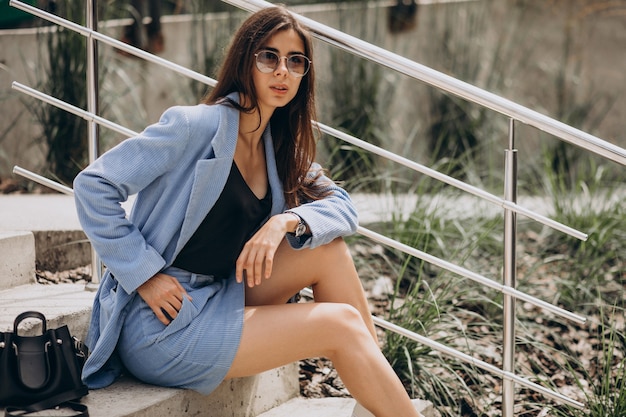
[210, 175]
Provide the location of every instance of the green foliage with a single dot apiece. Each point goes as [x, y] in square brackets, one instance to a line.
[209, 40]
[459, 131]
[609, 391]
[586, 277]
[602, 377]
[593, 206]
[430, 302]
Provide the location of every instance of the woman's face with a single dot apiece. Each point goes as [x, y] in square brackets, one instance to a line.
[278, 87]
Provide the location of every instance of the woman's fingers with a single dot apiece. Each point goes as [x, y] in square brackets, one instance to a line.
[256, 260]
[164, 295]
[254, 265]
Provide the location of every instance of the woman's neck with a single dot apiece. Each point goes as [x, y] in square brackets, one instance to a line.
[252, 125]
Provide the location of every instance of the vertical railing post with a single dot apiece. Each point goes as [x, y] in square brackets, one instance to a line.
[509, 273]
[91, 11]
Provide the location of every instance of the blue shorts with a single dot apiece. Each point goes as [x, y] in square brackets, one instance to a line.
[197, 348]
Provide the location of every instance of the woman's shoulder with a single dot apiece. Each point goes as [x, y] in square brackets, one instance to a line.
[191, 112]
[192, 118]
[203, 114]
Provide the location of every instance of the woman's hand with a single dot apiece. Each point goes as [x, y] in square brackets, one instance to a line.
[256, 259]
[164, 294]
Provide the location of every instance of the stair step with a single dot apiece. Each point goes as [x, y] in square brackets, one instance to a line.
[59, 240]
[241, 397]
[313, 407]
[17, 259]
[68, 304]
[331, 407]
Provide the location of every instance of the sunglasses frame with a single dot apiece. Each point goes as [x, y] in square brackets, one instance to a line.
[266, 69]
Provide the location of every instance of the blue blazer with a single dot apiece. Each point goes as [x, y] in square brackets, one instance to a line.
[177, 168]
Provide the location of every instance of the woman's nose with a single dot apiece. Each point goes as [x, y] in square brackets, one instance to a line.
[282, 66]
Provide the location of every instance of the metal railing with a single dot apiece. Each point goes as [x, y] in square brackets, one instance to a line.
[515, 112]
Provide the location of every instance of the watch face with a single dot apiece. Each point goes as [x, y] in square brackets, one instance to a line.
[300, 229]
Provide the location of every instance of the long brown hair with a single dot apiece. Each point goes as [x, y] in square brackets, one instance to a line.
[291, 127]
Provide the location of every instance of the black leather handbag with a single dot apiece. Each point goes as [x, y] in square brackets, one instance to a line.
[41, 372]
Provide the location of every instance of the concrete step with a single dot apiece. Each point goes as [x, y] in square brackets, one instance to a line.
[17, 259]
[61, 304]
[60, 243]
[241, 397]
[331, 407]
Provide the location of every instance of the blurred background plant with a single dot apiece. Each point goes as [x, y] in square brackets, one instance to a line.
[62, 75]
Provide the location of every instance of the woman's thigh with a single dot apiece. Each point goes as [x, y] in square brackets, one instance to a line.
[275, 335]
[328, 269]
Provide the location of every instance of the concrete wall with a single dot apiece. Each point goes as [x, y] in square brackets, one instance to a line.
[518, 53]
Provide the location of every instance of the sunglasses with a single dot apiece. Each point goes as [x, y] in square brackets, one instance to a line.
[297, 64]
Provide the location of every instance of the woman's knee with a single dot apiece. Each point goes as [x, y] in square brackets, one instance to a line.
[345, 324]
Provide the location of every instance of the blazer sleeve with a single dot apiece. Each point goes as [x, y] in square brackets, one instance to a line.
[329, 218]
[124, 170]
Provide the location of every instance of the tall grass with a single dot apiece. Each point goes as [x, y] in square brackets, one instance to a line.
[440, 305]
[462, 315]
[585, 277]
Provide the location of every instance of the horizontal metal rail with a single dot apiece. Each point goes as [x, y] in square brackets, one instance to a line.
[439, 347]
[43, 180]
[70, 108]
[452, 85]
[509, 205]
[471, 275]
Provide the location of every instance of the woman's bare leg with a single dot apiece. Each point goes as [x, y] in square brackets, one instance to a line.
[280, 334]
[337, 326]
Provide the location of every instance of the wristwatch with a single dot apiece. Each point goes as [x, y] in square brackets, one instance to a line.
[300, 227]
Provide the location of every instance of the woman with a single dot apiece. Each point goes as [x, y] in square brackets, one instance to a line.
[231, 218]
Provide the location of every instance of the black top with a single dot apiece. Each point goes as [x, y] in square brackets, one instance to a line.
[237, 214]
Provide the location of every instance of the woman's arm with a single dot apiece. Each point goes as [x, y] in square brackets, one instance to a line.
[124, 170]
[328, 218]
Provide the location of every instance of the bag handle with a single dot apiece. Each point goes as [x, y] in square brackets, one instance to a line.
[30, 315]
